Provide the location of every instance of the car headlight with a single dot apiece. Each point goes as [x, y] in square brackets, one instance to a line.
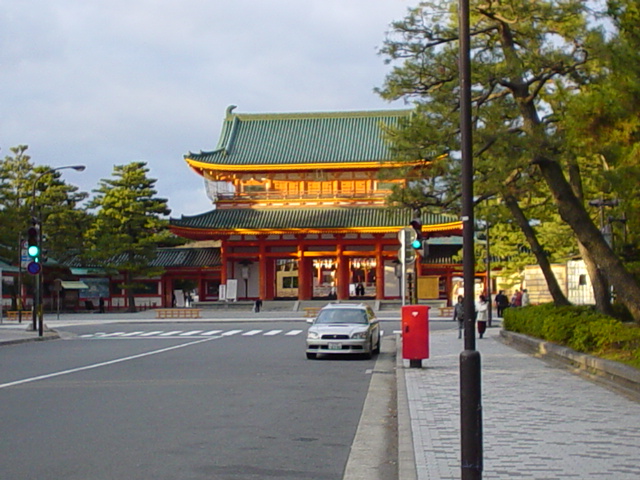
[313, 335]
[360, 335]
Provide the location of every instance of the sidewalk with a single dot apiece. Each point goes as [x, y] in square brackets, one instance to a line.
[539, 421]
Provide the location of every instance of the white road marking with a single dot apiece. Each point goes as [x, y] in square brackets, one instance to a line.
[272, 333]
[132, 334]
[167, 334]
[230, 332]
[104, 364]
[192, 332]
[211, 332]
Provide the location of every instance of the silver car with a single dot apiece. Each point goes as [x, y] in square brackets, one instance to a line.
[343, 328]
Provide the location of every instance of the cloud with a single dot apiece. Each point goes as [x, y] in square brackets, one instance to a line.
[107, 83]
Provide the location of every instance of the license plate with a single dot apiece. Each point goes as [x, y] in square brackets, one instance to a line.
[335, 346]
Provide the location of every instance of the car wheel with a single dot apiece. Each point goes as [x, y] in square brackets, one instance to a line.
[311, 356]
[369, 354]
[377, 349]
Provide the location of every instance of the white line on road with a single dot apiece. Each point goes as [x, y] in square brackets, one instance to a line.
[132, 334]
[293, 332]
[272, 333]
[211, 332]
[230, 332]
[149, 334]
[192, 332]
[103, 364]
[251, 333]
[167, 334]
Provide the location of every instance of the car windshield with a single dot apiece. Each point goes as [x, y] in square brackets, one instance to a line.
[342, 316]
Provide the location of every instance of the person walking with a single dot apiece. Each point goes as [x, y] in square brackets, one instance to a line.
[516, 299]
[525, 298]
[502, 302]
[482, 307]
[458, 314]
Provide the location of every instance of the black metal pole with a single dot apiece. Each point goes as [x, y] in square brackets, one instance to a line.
[19, 296]
[470, 382]
[489, 296]
[39, 282]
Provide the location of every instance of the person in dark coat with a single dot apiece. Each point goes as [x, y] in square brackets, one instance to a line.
[502, 302]
[458, 314]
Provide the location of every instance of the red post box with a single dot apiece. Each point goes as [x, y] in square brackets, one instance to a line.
[415, 334]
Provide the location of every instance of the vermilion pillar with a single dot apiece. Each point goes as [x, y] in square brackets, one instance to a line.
[262, 273]
[342, 274]
[379, 270]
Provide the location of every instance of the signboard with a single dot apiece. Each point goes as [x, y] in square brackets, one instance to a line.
[24, 256]
[232, 289]
[178, 298]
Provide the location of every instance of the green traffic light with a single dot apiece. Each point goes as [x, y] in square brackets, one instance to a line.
[417, 244]
[33, 251]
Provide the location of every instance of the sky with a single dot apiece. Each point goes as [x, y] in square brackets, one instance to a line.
[108, 82]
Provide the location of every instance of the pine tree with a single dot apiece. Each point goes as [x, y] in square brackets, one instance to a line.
[527, 57]
[129, 224]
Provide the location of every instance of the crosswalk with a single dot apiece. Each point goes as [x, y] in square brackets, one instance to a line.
[159, 334]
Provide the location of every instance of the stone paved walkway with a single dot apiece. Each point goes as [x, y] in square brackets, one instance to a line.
[539, 421]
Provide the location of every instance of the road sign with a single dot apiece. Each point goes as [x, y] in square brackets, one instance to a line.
[34, 268]
[409, 255]
[24, 257]
[407, 235]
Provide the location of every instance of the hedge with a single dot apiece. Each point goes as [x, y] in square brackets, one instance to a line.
[580, 328]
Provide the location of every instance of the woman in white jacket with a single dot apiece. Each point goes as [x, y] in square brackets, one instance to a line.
[482, 314]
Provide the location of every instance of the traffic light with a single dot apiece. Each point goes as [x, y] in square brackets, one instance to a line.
[417, 226]
[420, 242]
[406, 254]
[33, 243]
[33, 250]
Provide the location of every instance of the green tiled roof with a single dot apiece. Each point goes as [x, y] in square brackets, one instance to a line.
[187, 257]
[166, 257]
[301, 138]
[308, 219]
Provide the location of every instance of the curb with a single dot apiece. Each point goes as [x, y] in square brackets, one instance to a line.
[406, 452]
[15, 341]
[615, 375]
[372, 456]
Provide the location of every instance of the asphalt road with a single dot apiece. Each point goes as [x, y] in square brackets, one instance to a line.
[187, 405]
[179, 401]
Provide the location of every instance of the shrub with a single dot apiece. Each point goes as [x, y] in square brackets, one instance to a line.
[594, 336]
[560, 324]
[578, 327]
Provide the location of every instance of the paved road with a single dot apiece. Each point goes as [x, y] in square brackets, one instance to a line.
[177, 401]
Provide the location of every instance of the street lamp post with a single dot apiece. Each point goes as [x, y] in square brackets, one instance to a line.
[470, 369]
[35, 214]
